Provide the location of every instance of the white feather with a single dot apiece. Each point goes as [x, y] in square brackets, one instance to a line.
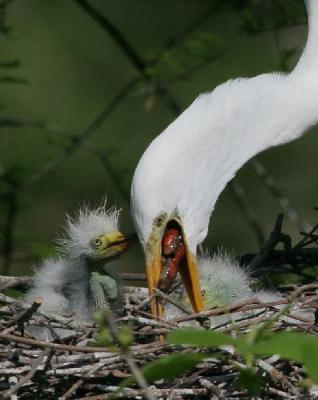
[88, 224]
[224, 283]
[62, 285]
[63, 282]
[185, 169]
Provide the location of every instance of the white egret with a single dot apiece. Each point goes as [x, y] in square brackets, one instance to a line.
[182, 173]
[70, 283]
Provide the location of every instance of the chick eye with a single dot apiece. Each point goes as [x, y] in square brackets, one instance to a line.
[97, 243]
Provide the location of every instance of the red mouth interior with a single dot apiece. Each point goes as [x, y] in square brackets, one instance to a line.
[172, 254]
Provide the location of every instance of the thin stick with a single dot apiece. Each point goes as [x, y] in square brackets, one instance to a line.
[84, 135]
[29, 375]
[78, 383]
[140, 379]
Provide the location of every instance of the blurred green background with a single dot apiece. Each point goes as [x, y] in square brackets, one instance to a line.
[71, 67]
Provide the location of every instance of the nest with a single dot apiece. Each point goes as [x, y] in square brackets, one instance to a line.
[73, 369]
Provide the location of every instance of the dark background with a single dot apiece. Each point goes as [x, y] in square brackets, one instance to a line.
[139, 63]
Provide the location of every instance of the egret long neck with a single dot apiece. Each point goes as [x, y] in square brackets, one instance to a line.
[185, 169]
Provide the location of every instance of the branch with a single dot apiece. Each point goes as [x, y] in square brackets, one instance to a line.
[140, 65]
[37, 362]
[288, 208]
[271, 243]
[84, 135]
[140, 379]
[247, 211]
[69, 138]
[11, 213]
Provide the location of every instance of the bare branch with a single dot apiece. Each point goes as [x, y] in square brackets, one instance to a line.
[84, 135]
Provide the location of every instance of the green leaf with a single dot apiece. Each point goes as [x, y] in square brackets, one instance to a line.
[289, 345]
[249, 380]
[171, 366]
[250, 22]
[210, 338]
[200, 338]
[295, 346]
[310, 360]
[168, 367]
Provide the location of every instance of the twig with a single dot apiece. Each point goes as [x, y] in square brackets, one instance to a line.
[55, 346]
[140, 65]
[17, 282]
[27, 314]
[84, 135]
[170, 300]
[246, 305]
[28, 376]
[211, 388]
[78, 383]
[302, 242]
[270, 244]
[69, 138]
[279, 393]
[11, 199]
[288, 208]
[247, 211]
[160, 393]
[132, 277]
[140, 379]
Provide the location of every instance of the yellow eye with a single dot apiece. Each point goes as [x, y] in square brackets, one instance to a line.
[97, 243]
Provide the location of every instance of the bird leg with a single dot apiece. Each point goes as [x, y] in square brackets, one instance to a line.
[173, 254]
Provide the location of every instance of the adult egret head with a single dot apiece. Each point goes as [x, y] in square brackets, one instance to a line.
[182, 173]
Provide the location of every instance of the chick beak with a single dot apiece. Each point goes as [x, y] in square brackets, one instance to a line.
[119, 242]
[189, 276]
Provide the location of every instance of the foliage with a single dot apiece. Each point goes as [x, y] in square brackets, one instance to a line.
[180, 61]
[168, 367]
[122, 339]
[302, 348]
[257, 16]
[191, 45]
[4, 28]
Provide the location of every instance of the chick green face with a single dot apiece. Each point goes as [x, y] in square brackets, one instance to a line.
[109, 245]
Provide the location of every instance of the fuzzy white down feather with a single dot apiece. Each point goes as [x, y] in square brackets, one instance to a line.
[63, 282]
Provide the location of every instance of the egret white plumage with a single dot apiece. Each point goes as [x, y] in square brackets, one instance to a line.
[182, 173]
[70, 282]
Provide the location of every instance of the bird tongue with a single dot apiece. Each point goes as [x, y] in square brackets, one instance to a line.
[173, 253]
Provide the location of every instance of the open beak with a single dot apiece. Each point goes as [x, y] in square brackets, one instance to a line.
[188, 271]
[117, 243]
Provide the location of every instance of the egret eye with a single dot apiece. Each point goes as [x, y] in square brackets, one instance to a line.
[97, 243]
[160, 219]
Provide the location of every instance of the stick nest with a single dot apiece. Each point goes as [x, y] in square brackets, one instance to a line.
[72, 368]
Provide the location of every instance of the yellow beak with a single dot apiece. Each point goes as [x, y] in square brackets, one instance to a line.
[115, 243]
[189, 275]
